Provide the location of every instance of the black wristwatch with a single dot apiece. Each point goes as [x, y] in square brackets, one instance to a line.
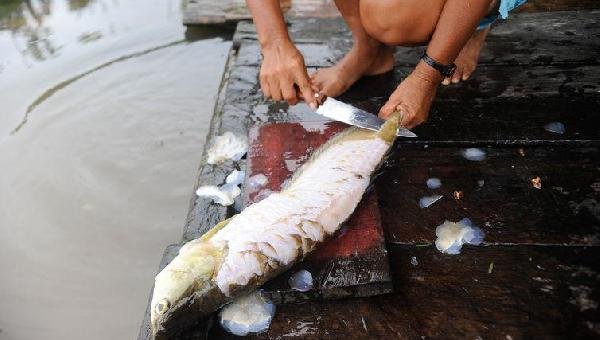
[445, 70]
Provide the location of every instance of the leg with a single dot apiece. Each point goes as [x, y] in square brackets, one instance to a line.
[367, 56]
[409, 22]
[466, 62]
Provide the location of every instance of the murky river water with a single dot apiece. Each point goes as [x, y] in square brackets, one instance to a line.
[104, 107]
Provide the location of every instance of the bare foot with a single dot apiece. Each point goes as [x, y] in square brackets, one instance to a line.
[466, 62]
[360, 61]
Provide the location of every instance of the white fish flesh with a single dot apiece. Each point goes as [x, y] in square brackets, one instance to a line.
[268, 237]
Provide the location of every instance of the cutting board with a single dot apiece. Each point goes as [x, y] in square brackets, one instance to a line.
[354, 262]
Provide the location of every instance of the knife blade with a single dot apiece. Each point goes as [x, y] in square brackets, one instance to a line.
[340, 111]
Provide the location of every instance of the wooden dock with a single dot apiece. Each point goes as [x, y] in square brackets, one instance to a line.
[537, 274]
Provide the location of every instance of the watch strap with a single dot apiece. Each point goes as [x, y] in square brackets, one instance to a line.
[444, 70]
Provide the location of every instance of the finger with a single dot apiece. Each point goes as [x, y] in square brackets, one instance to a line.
[446, 81]
[305, 89]
[288, 91]
[317, 90]
[387, 109]
[264, 86]
[275, 89]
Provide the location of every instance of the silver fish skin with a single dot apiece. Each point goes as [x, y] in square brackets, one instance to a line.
[241, 253]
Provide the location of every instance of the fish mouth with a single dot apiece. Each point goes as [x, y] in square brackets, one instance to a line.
[190, 315]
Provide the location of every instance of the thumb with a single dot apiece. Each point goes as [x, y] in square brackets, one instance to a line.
[387, 109]
[306, 91]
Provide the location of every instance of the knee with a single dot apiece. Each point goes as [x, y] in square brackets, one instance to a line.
[398, 22]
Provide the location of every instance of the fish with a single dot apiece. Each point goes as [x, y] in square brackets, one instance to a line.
[265, 239]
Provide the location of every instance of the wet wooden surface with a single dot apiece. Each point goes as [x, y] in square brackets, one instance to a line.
[208, 12]
[543, 243]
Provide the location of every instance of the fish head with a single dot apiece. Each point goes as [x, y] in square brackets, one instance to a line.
[184, 286]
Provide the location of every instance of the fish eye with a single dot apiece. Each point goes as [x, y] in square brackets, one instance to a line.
[162, 306]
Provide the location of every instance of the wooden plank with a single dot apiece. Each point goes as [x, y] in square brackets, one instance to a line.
[554, 294]
[354, 262]
[487, 110]
[558, 5]
[566, 210]
[503, 122]
[206, 12]
[545, 292]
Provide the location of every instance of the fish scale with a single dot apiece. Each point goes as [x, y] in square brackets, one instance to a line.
[320, 197]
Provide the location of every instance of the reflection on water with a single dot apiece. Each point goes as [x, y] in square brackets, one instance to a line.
[105, 105]
[25, 19]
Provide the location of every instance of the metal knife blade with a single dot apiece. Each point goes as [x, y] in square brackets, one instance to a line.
[340, 111]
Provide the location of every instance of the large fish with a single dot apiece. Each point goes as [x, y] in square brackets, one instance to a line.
[268, 237]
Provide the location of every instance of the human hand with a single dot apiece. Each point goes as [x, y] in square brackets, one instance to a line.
[413, 96]
[283, 74]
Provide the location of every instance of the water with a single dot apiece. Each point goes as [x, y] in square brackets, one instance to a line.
[104, 107]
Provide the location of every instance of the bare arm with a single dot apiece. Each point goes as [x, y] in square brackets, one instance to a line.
[283, 68]
[457, 23]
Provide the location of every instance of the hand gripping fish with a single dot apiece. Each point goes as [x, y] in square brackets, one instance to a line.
[243, 252]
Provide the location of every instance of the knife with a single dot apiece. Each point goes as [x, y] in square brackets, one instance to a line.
[340, 111]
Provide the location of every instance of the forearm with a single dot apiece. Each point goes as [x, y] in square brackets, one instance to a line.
[269, 22]
[457, 22]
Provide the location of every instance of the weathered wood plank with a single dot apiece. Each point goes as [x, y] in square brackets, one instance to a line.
[565, 211]
[488, 109]
[542, 285]
[206, 12]
[543, 292]
[558, 5]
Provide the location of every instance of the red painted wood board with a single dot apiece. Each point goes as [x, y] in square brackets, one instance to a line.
[354, 262]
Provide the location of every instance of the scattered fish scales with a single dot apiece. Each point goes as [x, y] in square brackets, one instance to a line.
[451, 236]
[225, 194]
[301, 281]
[555, 127]
[474, 154]
[434, 183]
[269, 236]
[252, 313]
[227, 146]
[427, 201]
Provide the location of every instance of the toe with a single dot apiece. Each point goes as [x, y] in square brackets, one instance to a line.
[467, 72]
[457, 75]
[446, 81]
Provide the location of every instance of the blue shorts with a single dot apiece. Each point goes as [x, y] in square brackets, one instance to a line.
[505, 7]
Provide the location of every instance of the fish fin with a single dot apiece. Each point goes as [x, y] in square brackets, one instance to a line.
[216, 228]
